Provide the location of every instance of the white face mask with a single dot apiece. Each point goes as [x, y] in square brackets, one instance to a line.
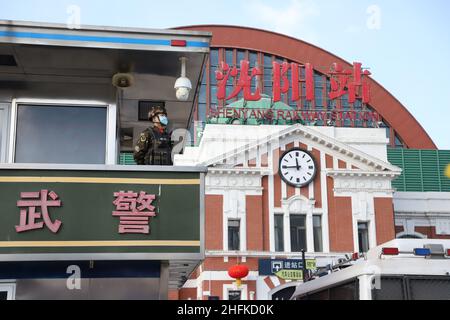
[163, 120]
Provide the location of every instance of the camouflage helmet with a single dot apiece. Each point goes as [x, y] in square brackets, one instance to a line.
[155, 111]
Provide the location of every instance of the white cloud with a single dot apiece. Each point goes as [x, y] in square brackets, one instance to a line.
[292, 19]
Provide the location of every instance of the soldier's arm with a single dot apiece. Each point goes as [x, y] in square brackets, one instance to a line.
[141, 148]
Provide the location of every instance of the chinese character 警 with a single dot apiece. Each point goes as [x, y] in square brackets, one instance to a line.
[29, 203]
[134, 211]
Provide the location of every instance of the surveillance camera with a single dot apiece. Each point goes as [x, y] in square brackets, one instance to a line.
[183, 87]
[122, 80]
[182, 93]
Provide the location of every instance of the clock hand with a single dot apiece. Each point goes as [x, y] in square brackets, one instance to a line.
[286, 167]
[298, 166]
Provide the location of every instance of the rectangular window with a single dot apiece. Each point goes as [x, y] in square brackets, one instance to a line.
[298, 233]
[229, 57]
[214, 56]
[240, 57]
[7, 292]
[60, 134]
[234, 295]
[279, 234]
[317, 226]
[234, 235]
[363, 236]
[253, 59]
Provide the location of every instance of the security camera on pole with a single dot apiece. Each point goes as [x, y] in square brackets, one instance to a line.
[183, 85]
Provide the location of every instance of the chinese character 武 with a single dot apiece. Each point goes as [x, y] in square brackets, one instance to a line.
[29, 203]
[134, 211]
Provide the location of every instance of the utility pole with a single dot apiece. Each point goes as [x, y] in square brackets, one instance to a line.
[305, 271]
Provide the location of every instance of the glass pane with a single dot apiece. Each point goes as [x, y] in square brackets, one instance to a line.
[202, 112]
[253, 59]
[279, 237]
[430, 289]
[344, 292]
[321, 295]
[298, 233]
[398, 142]
[229, 56]
[213, 94]
[240, 57]
[58, 134]
[390, 289]
[214, 56]
[233, 235]
[202, 94]
[234, 295]
[267, 61]
[212, 76]
[317, 223]
[3, 295]
[363, 236]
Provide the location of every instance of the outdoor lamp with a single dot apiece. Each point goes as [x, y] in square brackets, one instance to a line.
[183, 85]
[238, 272]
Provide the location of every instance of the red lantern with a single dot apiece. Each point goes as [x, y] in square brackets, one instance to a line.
[238, 272]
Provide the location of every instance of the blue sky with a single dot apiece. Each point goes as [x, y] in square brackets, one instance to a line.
[405, 43]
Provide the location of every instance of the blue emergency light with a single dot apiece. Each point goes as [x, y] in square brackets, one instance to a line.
[423, 252]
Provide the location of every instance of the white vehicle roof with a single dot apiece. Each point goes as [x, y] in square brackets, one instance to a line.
[406, 263]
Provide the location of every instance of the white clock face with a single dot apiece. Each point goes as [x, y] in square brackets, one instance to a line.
[297, 167]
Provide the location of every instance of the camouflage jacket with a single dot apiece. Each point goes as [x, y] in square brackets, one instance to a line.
[153, 148]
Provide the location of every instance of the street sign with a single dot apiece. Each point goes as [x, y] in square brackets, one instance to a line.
[290, 274]
[287, 269]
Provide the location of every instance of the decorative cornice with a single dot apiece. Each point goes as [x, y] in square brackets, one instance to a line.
[314, 136]
[359, 173]
[253, 171]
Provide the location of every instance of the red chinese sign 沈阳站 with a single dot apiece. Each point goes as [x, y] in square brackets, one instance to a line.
[286, 77]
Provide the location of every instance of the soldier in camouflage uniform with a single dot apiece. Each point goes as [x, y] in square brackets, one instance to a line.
[155, 146]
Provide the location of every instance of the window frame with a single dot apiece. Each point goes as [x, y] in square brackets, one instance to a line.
[232, 287]
[305, 228]
[5, 108]
[367, 234]
[10, 289]
[281, 228]
[318, 233]
[111, 123]
[238, 233]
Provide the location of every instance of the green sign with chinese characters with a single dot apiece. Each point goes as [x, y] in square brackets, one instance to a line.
[311, 264]
[290, 274]
[145, 213]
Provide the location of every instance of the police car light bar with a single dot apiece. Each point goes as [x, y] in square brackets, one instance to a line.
[423, 252]
[390, 251]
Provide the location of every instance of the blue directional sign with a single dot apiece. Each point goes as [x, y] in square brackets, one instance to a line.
[270, 267]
